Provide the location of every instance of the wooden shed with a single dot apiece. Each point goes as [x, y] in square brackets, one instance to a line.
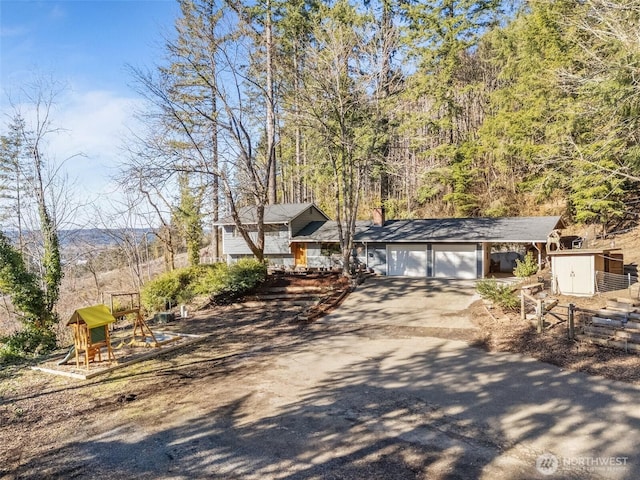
[91, 333]
[575, 271]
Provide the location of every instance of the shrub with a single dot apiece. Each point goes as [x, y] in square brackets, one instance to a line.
[245, 275]
[498, 293]
[221, 282]
[168, 288]
[527, 267]
[240, 278]
[25, 343]
[211, 279]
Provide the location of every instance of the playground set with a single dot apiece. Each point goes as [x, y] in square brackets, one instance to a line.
[95, 336]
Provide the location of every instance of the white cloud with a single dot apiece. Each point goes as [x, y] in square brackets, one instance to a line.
[95, 124]
[92, 127]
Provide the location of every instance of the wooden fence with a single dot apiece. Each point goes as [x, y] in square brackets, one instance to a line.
[615, 326]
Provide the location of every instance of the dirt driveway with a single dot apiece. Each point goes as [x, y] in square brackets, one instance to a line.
[347, 397]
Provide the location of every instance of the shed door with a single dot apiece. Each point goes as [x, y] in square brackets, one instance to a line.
[574, 275]
[407, 260]
[455, 261]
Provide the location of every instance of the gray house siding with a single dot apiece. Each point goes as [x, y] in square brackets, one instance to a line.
[276, 241]
[376, 258]
[316, 258]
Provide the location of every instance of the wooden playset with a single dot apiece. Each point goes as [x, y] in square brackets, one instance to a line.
[128, 304]
[91, 333]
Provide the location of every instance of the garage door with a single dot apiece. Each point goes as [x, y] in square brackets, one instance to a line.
[455, 261]
[407, 260]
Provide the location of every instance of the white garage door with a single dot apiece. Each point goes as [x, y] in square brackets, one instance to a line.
[455, 261]
[407, 260]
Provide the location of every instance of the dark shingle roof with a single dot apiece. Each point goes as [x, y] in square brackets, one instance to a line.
[446, 230]
[506, 229]
[273, 214]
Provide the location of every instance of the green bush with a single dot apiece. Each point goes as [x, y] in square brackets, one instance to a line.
[245, 275]
[221, 282]
[527, 267]
[26, 343]
[168, 288]
[239, 278]
[498, 293]
[211, 279]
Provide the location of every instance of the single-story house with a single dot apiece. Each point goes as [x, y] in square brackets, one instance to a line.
[583, 272]
[302, 235]
[435, 248]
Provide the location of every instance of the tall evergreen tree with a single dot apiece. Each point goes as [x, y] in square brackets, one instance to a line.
[443, 37]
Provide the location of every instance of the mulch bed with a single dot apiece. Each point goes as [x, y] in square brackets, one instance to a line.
[314, 279]
[502, 332]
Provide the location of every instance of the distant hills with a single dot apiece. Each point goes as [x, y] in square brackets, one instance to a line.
[96, 237]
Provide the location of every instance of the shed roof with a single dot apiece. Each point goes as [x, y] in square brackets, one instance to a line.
[95, 316]
[583, 251]
[273, 214]
[445, 230]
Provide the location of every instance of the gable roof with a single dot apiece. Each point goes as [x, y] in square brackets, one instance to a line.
[444, 230]
[273, 214]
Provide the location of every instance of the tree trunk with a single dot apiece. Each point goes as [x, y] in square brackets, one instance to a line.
[271, 116]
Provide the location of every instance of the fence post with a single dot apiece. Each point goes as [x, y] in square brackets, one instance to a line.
[572, 332]
[540, 316]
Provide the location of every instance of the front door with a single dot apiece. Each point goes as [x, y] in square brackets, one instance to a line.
[300, 254]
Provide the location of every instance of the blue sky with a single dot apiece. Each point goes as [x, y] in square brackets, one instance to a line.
[84, 45]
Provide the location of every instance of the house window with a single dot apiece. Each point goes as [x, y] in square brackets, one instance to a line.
[328, 249]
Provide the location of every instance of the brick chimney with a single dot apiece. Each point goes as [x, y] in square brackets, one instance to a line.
[378, 216]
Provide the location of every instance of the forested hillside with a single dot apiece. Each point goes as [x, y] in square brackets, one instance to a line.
[452, 108]
[458, 107]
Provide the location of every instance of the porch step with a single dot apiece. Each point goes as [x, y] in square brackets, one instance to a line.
[280, 304]
[294, 289]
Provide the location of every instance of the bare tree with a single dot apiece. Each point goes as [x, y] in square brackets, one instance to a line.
[219, 72]
[342, 109]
